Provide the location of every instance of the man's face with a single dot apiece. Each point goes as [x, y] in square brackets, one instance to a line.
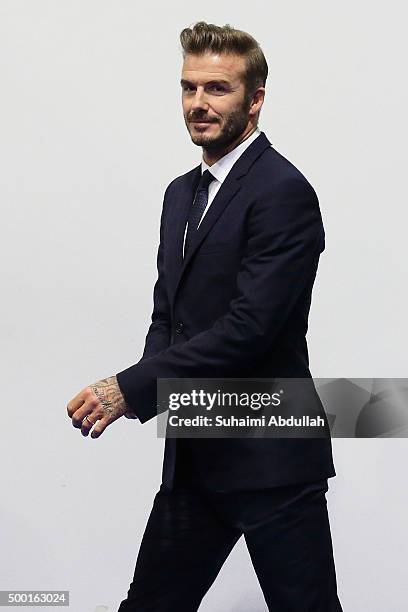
[215, 108]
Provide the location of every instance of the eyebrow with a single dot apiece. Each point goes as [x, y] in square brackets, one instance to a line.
[214, 81]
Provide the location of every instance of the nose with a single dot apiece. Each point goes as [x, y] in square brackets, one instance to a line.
[199, 100]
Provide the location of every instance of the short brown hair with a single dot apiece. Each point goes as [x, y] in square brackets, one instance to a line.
[207, 37]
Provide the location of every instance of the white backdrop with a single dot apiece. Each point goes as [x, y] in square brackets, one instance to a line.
[91, 133]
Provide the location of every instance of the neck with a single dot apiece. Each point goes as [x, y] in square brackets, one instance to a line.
[211, 157]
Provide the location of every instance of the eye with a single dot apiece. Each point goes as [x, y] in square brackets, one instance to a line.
[218, 87]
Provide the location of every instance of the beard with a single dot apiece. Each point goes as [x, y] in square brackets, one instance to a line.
[234, 124]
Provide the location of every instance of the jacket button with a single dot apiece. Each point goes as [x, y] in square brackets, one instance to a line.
[179, 327]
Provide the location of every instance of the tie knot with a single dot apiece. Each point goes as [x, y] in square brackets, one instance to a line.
[205, 180]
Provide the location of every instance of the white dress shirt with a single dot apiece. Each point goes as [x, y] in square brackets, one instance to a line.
[221, 169]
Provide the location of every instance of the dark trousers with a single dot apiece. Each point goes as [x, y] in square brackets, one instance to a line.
[190, 533]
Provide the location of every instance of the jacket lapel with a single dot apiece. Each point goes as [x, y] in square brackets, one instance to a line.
[185, 196]
[179, 208]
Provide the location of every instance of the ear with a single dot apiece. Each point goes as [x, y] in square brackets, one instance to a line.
[257, 101]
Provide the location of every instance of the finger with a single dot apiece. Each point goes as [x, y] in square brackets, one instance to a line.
[78, 401]
[90, 407]
[100, 427]
[88, 422]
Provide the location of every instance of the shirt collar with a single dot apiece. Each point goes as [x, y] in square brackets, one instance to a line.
[222, 167]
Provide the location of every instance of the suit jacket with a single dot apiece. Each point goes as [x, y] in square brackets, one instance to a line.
[236, 306]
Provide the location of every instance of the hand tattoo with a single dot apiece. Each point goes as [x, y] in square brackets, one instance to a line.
[109, 394]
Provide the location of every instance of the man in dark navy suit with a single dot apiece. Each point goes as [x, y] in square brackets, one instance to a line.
[240, 239]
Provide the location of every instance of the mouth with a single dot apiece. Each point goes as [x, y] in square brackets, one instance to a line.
[202, 122]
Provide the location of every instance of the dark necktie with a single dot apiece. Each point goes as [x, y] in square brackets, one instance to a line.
[198, 207]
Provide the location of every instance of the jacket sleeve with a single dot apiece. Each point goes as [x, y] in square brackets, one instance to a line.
[158, 335]
[285, 238]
